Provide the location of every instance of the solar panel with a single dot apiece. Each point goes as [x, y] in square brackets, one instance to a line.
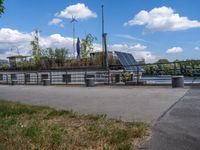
[127, 60]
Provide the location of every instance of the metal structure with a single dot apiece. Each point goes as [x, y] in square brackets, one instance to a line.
[112, 76]
[127, 60]
[73, 21]
[104, 43]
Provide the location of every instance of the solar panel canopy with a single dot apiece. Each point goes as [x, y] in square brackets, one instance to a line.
[127, 60]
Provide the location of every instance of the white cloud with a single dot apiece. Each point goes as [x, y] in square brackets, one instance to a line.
[123, 47]
[130, 37]
[13, 41]
[79, 11]
[56, 41]
[162, 19]
[139, 47]
[196, 48]
[139, 51]
[20, 42]
[56, 21]
[175, 50]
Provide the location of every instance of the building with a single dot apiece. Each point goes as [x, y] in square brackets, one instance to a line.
[13, 60]
[3, 62]
[122, 62]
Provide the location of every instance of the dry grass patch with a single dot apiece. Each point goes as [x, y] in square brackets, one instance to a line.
[36, 127]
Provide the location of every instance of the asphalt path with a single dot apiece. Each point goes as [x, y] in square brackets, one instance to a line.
[143, 103]
[179, 127]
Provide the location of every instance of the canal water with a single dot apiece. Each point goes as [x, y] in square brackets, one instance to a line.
[167, 80]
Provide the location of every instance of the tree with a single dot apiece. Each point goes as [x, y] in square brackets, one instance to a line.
[163, 61]
[60, 56]
[87, 45]
[1, 7]
[36, 51]
[57, 56]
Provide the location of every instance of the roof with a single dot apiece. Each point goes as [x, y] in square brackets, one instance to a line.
[127, 60]
[17, 56]
[99, 52]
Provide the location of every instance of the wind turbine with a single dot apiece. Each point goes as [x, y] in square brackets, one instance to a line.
[73, 21]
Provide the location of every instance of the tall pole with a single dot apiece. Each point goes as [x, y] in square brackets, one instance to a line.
[73, 22]
[74, 38]
[104, 43]
[102, 20]
[103, 47]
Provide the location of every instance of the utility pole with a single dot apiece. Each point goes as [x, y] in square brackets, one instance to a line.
[102, 7]
[73, 21]
[104, 43]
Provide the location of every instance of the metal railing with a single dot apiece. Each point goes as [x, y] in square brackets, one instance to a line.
[143, 74]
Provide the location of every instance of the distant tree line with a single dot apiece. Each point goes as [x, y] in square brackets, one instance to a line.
[164, 67]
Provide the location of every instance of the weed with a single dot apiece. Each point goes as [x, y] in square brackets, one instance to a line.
[33, 132]
[95, 117]
[24, 127]
[56, 135]
[124, 146]
[54, 113]
[119, 136]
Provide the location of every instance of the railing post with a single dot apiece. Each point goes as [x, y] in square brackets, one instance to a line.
[50, 77]
[66, 78]
[108, 76]
[24, 78]
[138, 75]
[7, 78]
[37, 78]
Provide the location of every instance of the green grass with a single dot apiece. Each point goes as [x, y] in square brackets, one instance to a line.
[38, 127]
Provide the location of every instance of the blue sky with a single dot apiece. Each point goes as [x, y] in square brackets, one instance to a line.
[150, 29]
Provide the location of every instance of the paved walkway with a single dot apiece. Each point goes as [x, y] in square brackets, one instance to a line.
[179, 128]
[127, 103]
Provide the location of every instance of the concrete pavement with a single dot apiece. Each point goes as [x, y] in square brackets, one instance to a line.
[127, 103]
[179, 129]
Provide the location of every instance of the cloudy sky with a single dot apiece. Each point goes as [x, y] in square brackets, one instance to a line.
[150, 29]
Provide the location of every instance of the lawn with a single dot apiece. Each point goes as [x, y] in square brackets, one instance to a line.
[27, 127]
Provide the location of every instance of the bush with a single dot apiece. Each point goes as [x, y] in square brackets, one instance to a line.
[126, 76]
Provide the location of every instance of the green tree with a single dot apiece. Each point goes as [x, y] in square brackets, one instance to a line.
[36, 51]
[1, 7]
[163, 61]
[87, 45]
[60, 56]
[57, 56]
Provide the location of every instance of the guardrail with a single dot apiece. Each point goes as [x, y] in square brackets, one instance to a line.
[112, 76]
